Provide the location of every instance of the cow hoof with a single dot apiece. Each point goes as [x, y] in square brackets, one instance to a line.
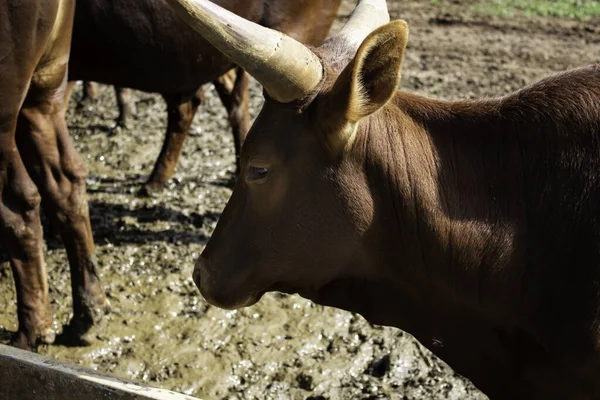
[75, 333]
[122, 124]
[30, 342]
[150, 190]
[115, 130]
[21, 341]
[85, 104]
[48, 336]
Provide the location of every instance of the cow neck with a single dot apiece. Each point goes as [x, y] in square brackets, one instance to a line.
[433, 232]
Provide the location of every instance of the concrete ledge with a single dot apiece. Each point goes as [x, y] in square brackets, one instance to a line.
[29, 376]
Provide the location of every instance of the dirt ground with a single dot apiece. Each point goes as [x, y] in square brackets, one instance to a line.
[162, 332]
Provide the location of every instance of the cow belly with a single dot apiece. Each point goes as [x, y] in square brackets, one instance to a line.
[170, 77]
[140, 45]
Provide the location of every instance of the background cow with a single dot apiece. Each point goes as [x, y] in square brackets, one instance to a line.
[39, 163]
[472, 225]
[143, 45]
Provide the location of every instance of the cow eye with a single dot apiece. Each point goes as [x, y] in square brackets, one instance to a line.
[257, 173]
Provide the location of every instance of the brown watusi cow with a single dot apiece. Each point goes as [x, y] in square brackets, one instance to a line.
[38, 163]
[143, 45]
[473, 225]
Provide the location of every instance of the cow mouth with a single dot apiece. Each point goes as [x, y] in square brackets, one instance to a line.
[253, 297]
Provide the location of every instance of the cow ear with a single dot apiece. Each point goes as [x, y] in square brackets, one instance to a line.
[376, 70]
[371, 79]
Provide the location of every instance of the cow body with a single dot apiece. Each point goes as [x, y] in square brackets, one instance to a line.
[38, 163]
[144, 46]
[473, 225]
[484, 233]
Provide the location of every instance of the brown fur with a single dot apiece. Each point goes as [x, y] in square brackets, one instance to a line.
[498, 198]
[473, 225]
[38, 163]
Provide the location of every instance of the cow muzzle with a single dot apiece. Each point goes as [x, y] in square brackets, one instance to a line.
[221, 289]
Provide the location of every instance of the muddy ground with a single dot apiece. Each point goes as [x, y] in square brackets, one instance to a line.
[161, 331]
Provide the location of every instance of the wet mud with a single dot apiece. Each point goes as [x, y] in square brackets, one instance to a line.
[161, 331]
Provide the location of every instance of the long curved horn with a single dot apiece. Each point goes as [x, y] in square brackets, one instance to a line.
[286, 68]
[367, 16]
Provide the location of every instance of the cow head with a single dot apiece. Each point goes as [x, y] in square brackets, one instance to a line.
[301, 207]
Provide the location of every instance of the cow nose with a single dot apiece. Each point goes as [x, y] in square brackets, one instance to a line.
[224, 290]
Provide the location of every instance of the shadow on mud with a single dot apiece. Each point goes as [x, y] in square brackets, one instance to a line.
[123, 184]
[119, 224]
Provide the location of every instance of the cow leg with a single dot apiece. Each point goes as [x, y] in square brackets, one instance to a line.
[126, 107]
[59, 173]
[89, 96]
[232, 88]
[22, 43]
[181, 110]
[20, 229]
[90, 91]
